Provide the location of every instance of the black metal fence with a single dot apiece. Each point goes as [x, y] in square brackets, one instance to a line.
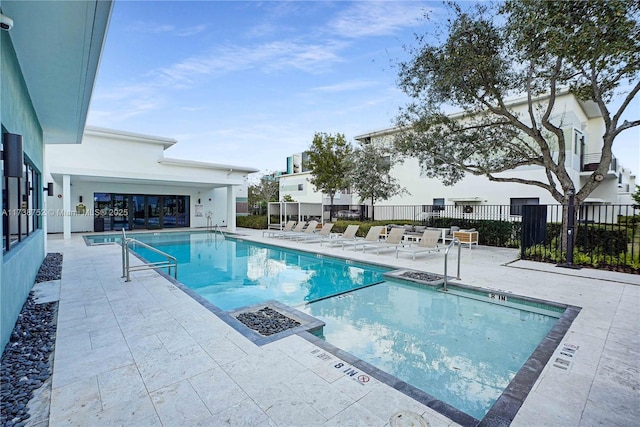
[604, 236]
[426, 213]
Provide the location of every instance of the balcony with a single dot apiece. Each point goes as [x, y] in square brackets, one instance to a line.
[589, 163]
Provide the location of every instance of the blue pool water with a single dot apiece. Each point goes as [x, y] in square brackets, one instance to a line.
[232, 273]
[461, 350]
[458, 346]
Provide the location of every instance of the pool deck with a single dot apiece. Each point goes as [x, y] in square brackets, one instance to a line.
[145, 353]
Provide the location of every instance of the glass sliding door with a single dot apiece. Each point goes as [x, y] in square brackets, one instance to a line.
[154, 212]
[120, 211]
[170, 211]
[139, 211]
[182, 214]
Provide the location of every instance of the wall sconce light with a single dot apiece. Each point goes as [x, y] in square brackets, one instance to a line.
[49, 189]
[198, 201]
[12, 156]
[6, 23]
[80, 199]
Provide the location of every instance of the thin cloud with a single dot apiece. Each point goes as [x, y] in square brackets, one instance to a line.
[346, 86]
[191, 31]
[268, 56]
[150, 27]
[123, 112]
[155, 28]
[367, 19]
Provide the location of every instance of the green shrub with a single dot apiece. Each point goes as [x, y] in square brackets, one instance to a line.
[622, 262]
[252, 221]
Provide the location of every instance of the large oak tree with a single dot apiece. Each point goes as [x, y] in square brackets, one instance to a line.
[536, 49]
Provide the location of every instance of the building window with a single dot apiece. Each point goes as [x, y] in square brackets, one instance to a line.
[518, 202]
[300, 187]
[438, 204]
[20, 205]
[578, 140]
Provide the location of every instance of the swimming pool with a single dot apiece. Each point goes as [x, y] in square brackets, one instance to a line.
[458, 347]
[453, 345]
[233, 273]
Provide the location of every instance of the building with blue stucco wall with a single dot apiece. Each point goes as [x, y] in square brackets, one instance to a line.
[46, 80]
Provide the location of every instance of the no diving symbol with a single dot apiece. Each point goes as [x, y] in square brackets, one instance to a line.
[363, 378]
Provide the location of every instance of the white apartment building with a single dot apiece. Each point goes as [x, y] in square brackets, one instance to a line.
[583, 127]
[116, 179]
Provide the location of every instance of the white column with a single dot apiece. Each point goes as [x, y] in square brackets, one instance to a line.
[231, 208]
[66, 206]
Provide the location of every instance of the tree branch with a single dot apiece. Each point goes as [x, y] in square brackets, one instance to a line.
[550, 188]
[626, 102]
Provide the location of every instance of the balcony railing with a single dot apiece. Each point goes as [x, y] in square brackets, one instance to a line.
[589, 162]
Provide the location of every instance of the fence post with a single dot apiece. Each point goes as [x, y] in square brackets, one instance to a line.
[571, 213]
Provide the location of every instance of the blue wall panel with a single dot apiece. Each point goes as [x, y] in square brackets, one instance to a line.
[19, 266]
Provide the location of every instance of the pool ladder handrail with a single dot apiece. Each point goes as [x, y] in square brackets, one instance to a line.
[209, 221]
[217, 230]
[446, 254]
[170, 263]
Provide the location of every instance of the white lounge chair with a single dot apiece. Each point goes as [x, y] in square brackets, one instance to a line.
[372, 236]
[297, 229]
[428, 243]
[349, 235]
[310, 229]
[324, 233]
[287, 227]
[394, 239]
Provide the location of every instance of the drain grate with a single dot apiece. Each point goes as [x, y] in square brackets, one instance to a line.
[565, 356]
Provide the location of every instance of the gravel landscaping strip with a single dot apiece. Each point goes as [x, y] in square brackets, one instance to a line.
[27, 357]
[267, 321]
[425, 277]
[51, 268]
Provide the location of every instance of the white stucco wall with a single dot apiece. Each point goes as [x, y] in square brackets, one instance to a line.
[118, 162]
[568, 113]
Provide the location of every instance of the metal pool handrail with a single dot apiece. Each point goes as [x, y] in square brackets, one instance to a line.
[217, 228]
[171, 261]
[446, 254]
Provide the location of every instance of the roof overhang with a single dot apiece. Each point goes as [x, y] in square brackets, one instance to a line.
[129, 136]
[158, 181]
[206, 165]
[590, 108]
[58, 45]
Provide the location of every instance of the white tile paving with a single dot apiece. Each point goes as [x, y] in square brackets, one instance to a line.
[145, 353]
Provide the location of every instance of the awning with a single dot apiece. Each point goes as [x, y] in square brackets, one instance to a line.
[465, 199]
[595, 201]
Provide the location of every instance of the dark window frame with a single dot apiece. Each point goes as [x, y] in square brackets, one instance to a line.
[25, 213]
[516, 204]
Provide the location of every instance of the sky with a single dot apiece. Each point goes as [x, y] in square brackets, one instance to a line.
[249, 83]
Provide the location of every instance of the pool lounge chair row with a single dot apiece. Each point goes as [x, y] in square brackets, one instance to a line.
[428, 241]
[301, 231]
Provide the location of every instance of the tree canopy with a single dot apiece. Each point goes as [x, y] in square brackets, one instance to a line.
[330, 163]
[371, 174]
[538, 50]
[263, 191]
